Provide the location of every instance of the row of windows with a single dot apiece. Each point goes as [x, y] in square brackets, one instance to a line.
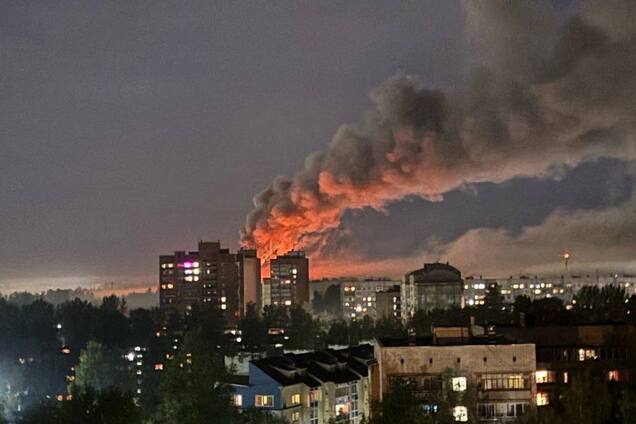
[498, 410]
[581, 354]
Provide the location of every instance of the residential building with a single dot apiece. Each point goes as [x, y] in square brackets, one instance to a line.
[388, 303]
[289, 279]
[314, 388]
[250, 289]
[358, 297]
[458, 359]
[563, 287]
[209, 275]
[435, 286]
[566, 351]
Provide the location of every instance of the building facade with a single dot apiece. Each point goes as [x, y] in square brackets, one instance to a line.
[499, 374]
[388, 303]
[250, 288]
[563, 287]
[435, 286]
[314, 388]
[358, 297]
[208, 276]
[566, 352]
[289, 279]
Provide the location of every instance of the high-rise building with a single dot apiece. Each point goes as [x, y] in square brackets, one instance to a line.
[435, 286]
[207, 276]
[289, 281]
[388, 303]
[250, 291]
[358, 297]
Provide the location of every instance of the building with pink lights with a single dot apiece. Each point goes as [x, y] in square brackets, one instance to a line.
[211, 275]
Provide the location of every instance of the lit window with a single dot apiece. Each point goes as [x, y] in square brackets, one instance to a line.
[223, 306]
[460, 413]
[544, 376]
[195, 264]
[159, 367]
[542, 399]
[188, 278]
[295, 417]
[295, 399]
[614, 375]
[264, 401]
[565, 377]
[459, 384]
[237, 400]
[223, 299]
[287, 302]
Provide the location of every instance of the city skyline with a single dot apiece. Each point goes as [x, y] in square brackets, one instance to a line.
[125, 141]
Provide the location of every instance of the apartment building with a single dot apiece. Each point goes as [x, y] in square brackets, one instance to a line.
[457, 360]
[315, 388]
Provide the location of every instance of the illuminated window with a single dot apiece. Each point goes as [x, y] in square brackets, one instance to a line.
[459, 384]
[544, 376]
[614, 375]
[565, 377]
[223, 299]
[159, 367]
[295, 417]
[295, 399]
[237, 400]
[223, 306]
[542, 399]
[287, 302]
[264, 401]
[460, 413]
[587, 354]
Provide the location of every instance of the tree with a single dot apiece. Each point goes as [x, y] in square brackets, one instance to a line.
[101, 368]
[192, 391]
[86, 406]
[587, 400]
[253, 329]
[302, 329]
[627, 406]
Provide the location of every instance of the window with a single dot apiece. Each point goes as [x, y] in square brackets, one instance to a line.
[459, 384]
[460, 413]
[295, 417]
[264, 401]
[544, 376]
[237, 400]
[501, 409]
[505, 382]
[542, 399]
[565, 377]
[587, 354]
[614, 375]
[295, 399]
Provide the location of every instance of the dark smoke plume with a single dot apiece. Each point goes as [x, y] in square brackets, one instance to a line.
[543, 94]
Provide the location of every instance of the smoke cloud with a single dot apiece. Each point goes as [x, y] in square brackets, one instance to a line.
[543, 94]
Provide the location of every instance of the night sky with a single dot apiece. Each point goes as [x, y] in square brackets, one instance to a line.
[133, 129]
